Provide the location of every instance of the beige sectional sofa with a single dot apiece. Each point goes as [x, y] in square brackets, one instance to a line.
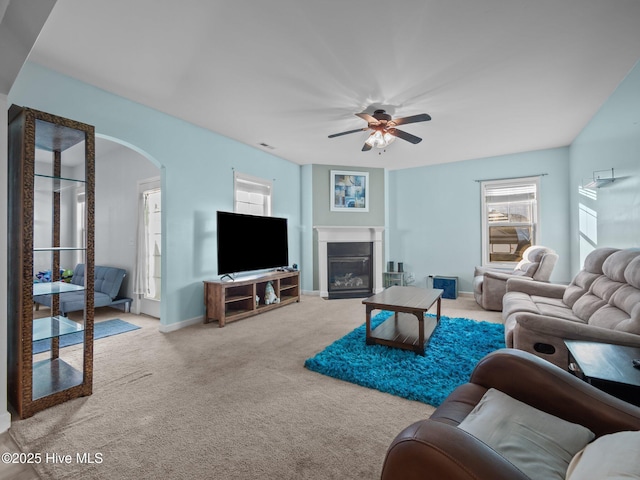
[602, 304]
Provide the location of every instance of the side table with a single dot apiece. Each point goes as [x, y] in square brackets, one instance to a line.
[607, 367]
[393, 278]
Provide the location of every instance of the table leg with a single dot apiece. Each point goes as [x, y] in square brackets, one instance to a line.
[420, 346]
[369, 340]
[438, 309]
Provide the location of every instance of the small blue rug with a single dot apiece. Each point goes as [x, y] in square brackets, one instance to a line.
[454, 349]
[100, 330]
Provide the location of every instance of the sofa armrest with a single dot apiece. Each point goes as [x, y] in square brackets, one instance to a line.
[541, 289]
[504, 277]
[430, 449]
[549, 388]
[479, 271]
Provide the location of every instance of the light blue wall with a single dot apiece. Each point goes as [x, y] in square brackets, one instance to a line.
[432, 213]
[197, 177]
[610, 140]
[435, 215]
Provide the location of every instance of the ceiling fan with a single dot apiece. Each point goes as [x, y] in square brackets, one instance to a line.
[384, 129]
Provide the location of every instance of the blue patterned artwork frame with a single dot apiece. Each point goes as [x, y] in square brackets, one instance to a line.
[349, 191]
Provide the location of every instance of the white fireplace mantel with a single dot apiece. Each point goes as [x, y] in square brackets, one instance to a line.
[339, 234]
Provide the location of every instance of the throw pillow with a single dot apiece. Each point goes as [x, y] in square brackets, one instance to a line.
[613, 456]
[539, 444]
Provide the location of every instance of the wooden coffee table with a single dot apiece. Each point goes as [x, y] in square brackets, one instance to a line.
[401, 329]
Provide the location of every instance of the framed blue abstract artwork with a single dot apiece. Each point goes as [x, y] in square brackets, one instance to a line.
[349, 191]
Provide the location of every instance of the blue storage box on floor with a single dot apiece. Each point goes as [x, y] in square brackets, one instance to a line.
[448, 284]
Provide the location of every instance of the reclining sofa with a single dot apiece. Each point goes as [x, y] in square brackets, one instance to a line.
[520, 418]
[601, 304]
[107, 283]
[490, 284]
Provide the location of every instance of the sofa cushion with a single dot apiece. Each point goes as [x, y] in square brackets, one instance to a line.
[609, 317]
[105, 279]
[592, 269]
[613, 456]
[579, 286]
[538, 299]
[518, 302]
[539, 444]
[558, 311]
[602, 289]
[527, 270]
[616, 264]
[108, 280]
[532, 258]
[594, 261]
[74, 301]
[632, 273]
[621, 313]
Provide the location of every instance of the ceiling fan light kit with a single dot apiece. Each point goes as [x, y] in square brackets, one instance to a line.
[384, 129]
[379, 140]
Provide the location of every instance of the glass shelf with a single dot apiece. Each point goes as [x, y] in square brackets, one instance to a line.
[51, 327]
[52, 136]
[58, 249]
[51, 376]
[47, 183]
[53, 288]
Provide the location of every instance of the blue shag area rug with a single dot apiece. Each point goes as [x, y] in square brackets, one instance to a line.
[456, 346]
[100, 330]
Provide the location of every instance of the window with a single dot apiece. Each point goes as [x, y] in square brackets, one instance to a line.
[509, 219]
[81, 224]
[152, 204]
[252, 195]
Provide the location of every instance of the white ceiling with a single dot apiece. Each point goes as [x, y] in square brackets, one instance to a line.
[497, 76]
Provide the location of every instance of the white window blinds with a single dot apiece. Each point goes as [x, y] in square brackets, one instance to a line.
[509, 218]
[252, 195]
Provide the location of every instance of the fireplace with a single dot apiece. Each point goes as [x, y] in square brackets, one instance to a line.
[349, 234]
[350, 269]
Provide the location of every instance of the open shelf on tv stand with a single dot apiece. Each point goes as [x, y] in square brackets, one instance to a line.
[227, 301]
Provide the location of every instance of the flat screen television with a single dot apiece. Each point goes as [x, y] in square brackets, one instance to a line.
[251, 242]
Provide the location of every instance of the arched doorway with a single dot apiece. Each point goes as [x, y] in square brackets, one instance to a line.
[121, 172]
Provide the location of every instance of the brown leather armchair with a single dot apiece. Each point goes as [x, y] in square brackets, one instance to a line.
[436, 448]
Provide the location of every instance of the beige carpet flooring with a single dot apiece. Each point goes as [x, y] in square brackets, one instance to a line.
[230, 403]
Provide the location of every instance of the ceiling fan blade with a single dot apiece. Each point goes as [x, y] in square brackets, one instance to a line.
[366, 147]
[404, 135]
[423, 117]
[368, 118]
[350, 131]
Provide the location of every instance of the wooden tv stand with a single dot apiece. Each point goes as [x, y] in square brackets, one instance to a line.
[226, 301]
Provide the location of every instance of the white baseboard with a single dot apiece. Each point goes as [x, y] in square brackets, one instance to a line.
[178, 325]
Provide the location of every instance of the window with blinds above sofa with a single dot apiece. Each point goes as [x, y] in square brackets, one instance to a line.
[509, 219]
